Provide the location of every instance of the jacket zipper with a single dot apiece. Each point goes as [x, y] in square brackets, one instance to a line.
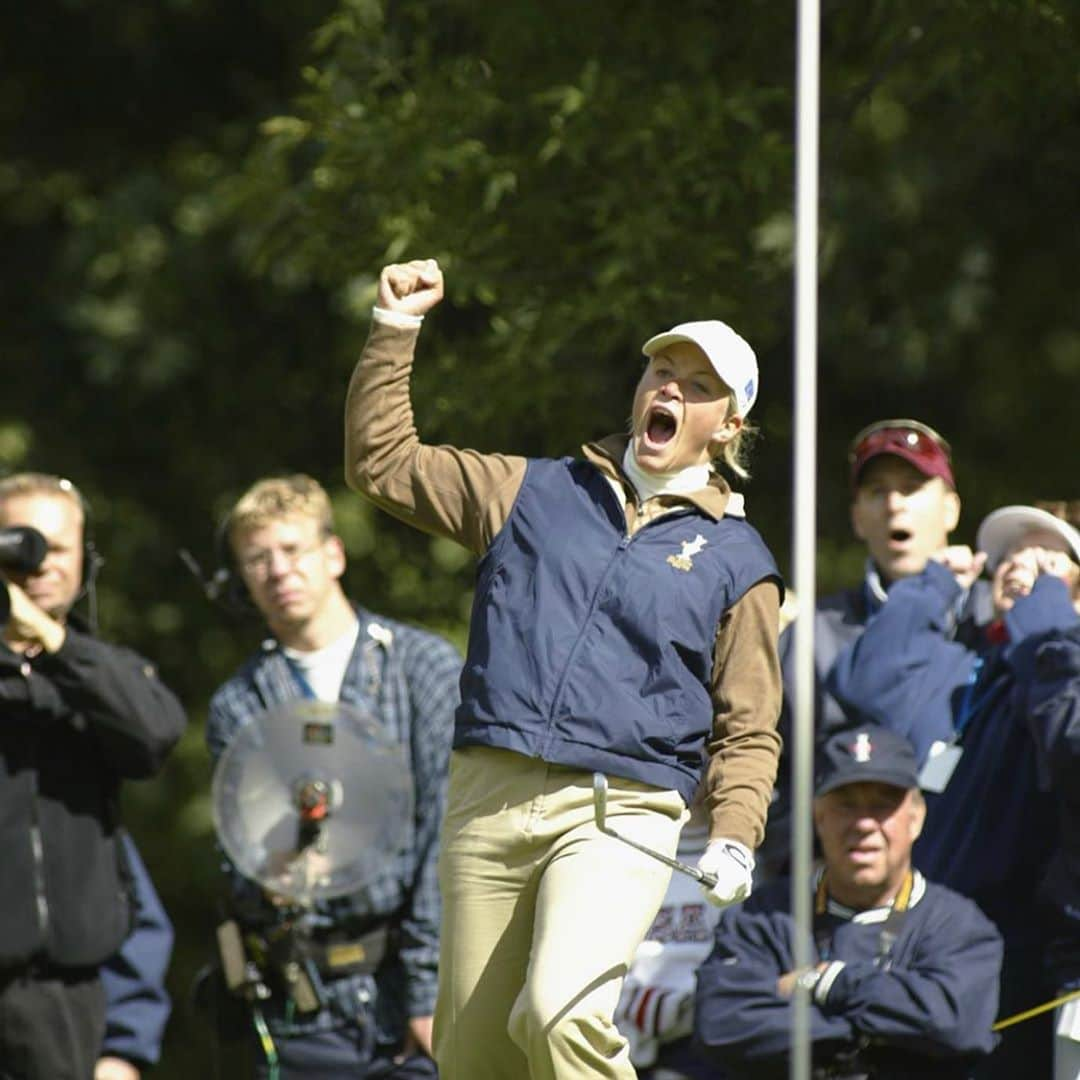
[625, 541]
[37, 847]
[39, 876]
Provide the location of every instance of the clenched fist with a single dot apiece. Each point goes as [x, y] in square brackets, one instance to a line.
[412, 288]
[966, 565]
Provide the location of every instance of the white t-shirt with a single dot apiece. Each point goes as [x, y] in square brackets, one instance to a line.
[324, 669]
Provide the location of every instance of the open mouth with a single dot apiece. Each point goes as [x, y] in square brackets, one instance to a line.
[899, 536]
[660, 427]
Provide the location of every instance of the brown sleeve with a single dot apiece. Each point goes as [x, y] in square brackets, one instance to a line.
[744, 747]
[461, 494]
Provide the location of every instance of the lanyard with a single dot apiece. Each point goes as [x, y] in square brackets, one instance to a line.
[890, 928]
[969, 705]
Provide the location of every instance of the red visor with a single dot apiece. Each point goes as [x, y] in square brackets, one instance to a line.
[909, 440]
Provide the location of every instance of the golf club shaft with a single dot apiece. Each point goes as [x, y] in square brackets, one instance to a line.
[708, 880]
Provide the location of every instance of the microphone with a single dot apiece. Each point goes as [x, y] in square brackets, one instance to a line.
[22, 548]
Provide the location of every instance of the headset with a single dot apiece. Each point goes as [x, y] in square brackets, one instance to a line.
[224, 585]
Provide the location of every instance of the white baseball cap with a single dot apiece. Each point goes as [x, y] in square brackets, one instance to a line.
[731, 357]
[1001, 529]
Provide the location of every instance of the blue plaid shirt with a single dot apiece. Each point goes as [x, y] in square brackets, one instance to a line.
[408, 680]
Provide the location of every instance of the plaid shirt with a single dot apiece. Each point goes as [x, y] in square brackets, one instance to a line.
[408, 679]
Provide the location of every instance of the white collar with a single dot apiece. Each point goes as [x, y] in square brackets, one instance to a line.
[649, 485]
[872, 915]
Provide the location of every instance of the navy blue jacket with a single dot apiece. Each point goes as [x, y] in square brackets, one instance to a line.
[839, 621]
[989, 833]
[592, 649]
[1054, 717]
[927, 1011]
[137, 1003]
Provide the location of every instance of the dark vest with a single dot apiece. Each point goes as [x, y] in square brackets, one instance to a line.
[592, 649]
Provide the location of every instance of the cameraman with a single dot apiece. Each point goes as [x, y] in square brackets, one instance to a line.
[77, 716]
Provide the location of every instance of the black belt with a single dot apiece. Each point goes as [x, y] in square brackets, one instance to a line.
[337, 956]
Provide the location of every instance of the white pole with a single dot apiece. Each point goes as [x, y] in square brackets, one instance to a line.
[805, 469]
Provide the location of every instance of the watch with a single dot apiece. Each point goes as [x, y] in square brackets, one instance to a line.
[808, 980]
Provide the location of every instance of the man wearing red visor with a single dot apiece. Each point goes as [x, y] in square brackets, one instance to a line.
[904, 506]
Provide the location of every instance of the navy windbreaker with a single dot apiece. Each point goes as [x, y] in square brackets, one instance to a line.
[928, 1011]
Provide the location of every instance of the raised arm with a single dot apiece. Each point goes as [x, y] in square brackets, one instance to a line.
[903, 672]
[460, 494]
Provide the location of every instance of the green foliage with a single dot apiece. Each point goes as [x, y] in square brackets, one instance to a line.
[195, 210]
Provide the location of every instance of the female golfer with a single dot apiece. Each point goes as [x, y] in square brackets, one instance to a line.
[624, 622]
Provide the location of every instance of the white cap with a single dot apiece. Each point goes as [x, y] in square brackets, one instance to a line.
[1001, 529]
[731, 357]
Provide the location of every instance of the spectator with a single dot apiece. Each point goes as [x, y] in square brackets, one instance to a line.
[904, 506]
[624, 622]
[905, 974]
[966, 708]
[1054, 713]
[137, 1005]
[79, 717]
[1055, 720]
[281, 536]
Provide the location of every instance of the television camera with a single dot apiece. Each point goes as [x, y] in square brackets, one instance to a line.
[23, 550]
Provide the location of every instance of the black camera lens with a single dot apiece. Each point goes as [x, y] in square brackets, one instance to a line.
[22, 548]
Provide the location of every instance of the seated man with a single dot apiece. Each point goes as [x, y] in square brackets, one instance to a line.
[905, 980]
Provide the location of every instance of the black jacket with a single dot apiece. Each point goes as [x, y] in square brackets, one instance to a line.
[72, 726]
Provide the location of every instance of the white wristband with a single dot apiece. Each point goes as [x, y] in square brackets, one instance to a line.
[401, 319]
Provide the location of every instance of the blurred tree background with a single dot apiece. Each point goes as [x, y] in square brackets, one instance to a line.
[196, 199]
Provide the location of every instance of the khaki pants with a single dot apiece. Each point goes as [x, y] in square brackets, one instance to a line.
[541, 917]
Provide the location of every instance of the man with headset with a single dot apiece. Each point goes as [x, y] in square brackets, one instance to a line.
[367, 1023]
[77, 717]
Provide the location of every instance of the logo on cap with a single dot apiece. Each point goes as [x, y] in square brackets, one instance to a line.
[863, 748]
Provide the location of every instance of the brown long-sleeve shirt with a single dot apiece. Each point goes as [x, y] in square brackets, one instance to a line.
[467, 496]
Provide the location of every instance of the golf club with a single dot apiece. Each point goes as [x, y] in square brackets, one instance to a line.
[600, 810]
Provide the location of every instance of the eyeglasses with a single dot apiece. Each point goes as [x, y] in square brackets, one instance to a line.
[257, 564]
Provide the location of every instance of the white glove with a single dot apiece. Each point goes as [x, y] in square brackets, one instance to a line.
[733, 865]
